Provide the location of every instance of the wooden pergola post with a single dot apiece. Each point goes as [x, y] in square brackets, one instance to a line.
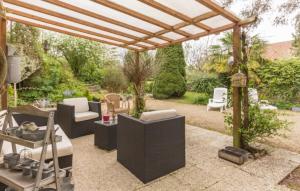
[4, 95]
[236, 92]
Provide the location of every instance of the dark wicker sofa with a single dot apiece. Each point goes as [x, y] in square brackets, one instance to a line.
[65, 116]
[151, 149]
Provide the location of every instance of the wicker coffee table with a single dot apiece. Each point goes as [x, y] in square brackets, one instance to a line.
[106, 135]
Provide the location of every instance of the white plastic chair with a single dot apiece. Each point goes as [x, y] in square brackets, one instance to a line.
[263, 104]
[219, 99]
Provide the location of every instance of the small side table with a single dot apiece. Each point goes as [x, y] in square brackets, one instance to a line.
[106, 135]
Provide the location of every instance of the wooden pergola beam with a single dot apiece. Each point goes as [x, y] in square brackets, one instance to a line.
[20, 13]
[181, 25]
[136, 41]
[196, 36]
[213, 31]
[139, 16]
[175, 14]
[72, 19]
[236, 91]
[4, 95]
[103, 18]
[222, 11]
[69, 33]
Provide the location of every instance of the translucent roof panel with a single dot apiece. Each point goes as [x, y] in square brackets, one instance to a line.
[173, 35]
[66, 22]
[61, 28]
[148, 11]
[157, 40]
[135, 24]
[145, 44]
[192, 29]
[191, 8]
[217, 21]
[76, 15]
[111, 13]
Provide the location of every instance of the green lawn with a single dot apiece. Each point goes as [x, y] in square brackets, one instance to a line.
[192, 98]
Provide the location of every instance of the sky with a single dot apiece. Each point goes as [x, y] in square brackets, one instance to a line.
[266, 29]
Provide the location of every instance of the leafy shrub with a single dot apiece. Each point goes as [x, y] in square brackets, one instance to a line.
[86, 58]
[262, 124]
[280, 80]
[51, 81]
[168, 85]
[204, 84]
[170, 80]
[286, 105]
[114, 79]
[149, 86]
[201, 99]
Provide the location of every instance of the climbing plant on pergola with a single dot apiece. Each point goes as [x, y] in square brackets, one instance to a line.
[137, 25]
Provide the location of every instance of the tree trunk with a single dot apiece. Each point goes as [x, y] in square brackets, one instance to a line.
[139, 102]
[245, 89]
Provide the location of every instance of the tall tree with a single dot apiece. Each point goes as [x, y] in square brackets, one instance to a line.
[86, 58]
[138, 67]
[170, 80]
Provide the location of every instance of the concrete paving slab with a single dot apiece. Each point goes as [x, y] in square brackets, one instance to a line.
[95, 169]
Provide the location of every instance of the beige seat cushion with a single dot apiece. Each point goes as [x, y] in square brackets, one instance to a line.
[158, 115]
[81, 104]
[64, 148]
[83, 116]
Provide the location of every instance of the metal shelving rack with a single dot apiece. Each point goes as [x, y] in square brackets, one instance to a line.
[15, 180]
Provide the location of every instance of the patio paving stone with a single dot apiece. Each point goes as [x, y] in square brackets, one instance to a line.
[95, 169]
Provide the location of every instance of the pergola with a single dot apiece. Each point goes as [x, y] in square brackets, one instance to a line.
[138, 25]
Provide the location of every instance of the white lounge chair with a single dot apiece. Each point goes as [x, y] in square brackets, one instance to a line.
[263, 104]
[219, 99]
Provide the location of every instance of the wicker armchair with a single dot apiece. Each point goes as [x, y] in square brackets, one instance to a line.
[151, 149]
[76, 116]
[114, 105]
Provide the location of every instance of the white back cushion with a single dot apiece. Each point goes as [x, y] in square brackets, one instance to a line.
[220, 95]
[81, 104]
[158, 115]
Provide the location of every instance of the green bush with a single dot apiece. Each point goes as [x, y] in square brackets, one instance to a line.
[86, 58]
[204, 84]
[51, 81]
[201, 99]
[114, 79]
[262, 124]
[170, 80]
[149, 86]
[168, 85]
[286, 105]
[280, 80]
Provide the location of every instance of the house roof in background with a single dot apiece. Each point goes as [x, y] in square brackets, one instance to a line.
[279, 50]
[133, 24]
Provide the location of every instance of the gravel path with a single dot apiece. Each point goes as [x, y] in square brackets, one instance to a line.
[214, 120]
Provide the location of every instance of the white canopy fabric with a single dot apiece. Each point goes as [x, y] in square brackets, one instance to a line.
[134, 24]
